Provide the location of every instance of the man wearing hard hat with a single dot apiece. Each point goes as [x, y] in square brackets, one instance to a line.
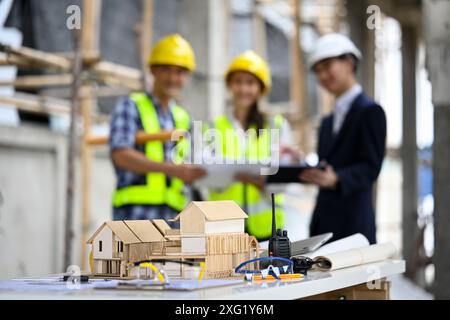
[149, 183]
[351, 144]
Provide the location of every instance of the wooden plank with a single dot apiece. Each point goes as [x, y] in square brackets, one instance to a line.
[25, 82]
[146, 39]
[90, 51]
[146, 30]
[37, 104]
[118, 81]
[297, 84]
[70, 187]
[99, 92]
[37, 58]
[107, 72]
[259, 36]
[15, 61]
[91, 31]
[114, 74]
[113, 69]
[43, 104]
[87, 102]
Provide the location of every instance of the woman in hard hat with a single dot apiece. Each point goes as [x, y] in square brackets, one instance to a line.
[248, 79]
[149, 181]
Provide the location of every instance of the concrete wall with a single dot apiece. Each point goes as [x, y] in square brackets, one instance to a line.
[32, 187]
[203, 24]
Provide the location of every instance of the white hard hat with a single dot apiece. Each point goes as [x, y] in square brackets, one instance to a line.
[333, 45]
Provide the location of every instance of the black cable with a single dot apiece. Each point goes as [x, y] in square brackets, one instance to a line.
[163, 261]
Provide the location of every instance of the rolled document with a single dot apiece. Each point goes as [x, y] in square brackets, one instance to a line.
[355, 257]
[352, 242]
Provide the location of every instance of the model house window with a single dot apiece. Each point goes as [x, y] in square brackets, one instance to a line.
[100, 246]
[120, 246]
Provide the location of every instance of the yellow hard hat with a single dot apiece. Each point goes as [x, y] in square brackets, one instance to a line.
[173, 50]
[251, 62]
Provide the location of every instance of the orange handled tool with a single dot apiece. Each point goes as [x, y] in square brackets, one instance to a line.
[141, 137]
[287, 276]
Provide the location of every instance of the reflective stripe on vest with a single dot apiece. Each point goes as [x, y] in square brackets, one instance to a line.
[156, 191]
[259, 222]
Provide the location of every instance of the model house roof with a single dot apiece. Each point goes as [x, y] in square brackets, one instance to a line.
[161, 225]
[132, 231]
[215, 210]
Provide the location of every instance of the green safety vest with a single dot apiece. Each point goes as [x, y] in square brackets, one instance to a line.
[156, 191]
[259, 222]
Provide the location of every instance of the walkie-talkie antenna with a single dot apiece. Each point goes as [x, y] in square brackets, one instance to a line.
[274, 222]
[279, 244]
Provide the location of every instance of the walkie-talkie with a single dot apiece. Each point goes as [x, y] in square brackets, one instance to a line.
[279, 243]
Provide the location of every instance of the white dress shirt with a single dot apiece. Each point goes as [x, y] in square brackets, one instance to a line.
[343, 104]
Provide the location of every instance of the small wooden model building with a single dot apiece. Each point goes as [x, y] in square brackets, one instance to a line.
[210, 231]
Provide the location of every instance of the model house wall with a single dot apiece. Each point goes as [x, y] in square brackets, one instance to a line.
[193, 222]
[225, 226]
[102, 245]
[193, 245]
[144, 251]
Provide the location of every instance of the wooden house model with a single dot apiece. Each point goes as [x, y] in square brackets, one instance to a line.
[210, 232]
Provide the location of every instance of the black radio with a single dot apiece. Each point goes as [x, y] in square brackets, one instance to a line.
[279, 243]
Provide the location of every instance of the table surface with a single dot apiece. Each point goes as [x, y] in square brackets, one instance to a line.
[315, 283]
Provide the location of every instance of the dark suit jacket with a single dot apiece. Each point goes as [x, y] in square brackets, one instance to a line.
[356, 154]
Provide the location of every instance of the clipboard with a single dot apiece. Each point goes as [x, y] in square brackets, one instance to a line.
[289, 174]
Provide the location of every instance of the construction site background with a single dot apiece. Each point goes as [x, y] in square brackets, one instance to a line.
[404, 68]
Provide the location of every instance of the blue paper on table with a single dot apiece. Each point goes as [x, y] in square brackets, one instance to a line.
[179, 284]
[41, 286]
[190, 285]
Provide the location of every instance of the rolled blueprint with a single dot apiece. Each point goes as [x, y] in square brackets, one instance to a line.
[355, 257]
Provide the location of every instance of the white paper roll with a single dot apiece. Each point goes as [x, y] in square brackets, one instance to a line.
[355, 257]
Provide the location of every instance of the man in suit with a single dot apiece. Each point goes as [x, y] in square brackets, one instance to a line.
[351, 145]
